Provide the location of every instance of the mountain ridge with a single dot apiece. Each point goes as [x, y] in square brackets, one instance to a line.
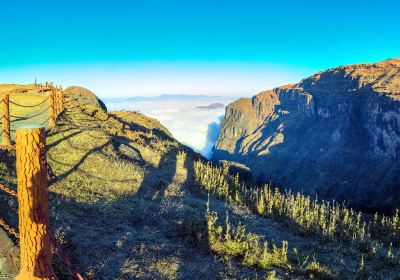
[130, 202]
[162, 97]
[293, 134]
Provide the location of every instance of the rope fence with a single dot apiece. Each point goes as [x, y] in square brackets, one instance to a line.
[29, 106]
[33, 116]
[9, 191]
[8, 148]
[9, 229]
[55, 101]
[36, 238]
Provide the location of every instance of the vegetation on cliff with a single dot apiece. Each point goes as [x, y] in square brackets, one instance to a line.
[129, 202]
[334, 134]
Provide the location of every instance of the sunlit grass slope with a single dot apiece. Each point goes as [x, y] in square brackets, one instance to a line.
[130, 202]
[125, 204]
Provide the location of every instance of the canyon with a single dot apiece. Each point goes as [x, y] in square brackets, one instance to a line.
[335, 135]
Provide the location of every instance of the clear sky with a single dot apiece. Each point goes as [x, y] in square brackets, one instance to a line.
[149, 47]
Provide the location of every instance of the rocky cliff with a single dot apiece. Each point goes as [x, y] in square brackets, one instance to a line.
[335, 134]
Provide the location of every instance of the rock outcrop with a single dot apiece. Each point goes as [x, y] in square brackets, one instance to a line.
[335, 134]
[9, 257]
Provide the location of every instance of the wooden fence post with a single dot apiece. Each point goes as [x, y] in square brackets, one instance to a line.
[62, 99]
[33, 212]
[58, 102]
[55, 103]
[6, 138]
[52, 111]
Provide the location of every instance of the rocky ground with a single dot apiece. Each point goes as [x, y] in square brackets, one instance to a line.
[9, 257]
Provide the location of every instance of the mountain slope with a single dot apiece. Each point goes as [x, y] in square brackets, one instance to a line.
[335, 134]
[130, 202]
[125, 204]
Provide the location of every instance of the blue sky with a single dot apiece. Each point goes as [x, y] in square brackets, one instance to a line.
[149, 47]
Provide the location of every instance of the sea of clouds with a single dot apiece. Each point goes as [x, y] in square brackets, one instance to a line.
[196, 128]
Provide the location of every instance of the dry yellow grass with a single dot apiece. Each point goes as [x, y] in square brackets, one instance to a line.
[126, 205]
[14, 88]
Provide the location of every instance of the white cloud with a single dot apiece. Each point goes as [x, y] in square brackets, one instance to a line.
[193, 127]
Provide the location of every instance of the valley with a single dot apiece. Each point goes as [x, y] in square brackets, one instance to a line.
[131, 202]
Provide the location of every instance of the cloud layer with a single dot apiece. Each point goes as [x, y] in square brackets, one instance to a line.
[197, 128]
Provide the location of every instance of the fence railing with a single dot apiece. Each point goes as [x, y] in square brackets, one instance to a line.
[55, 101]
[35, 234]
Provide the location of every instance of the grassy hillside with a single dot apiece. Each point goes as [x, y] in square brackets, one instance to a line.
[130, 202]
[126, 202]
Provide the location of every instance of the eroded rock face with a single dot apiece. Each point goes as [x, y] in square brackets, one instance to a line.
[335, 134]
[9, 258]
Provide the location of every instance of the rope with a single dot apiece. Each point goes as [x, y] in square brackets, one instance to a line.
[9, 191]
[9, 229]
[8, 148]
[44, 121]
[64, 257]
[29, 106]
[28, 117]
[57, 247]
[49, 170]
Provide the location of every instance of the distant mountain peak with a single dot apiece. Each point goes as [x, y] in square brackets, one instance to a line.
[212, 106]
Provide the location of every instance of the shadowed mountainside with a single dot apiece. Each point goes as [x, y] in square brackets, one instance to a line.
[127, 204]
[335, 134]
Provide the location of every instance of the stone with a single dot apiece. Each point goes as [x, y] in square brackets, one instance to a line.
[9, 257]
[335, 134]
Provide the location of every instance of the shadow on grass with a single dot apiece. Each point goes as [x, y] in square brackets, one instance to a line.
[136, 127]
[137, 235]
[148, 234]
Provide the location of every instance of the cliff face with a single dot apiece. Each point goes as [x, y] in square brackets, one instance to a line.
[335, 134]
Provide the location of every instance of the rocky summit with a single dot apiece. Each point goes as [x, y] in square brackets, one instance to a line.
[335, 134]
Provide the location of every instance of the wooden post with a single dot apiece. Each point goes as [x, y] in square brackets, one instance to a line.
[52, 111]
[58, 102]
[33, 212]
[62, 99]
[55, 103]
[6, 138]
